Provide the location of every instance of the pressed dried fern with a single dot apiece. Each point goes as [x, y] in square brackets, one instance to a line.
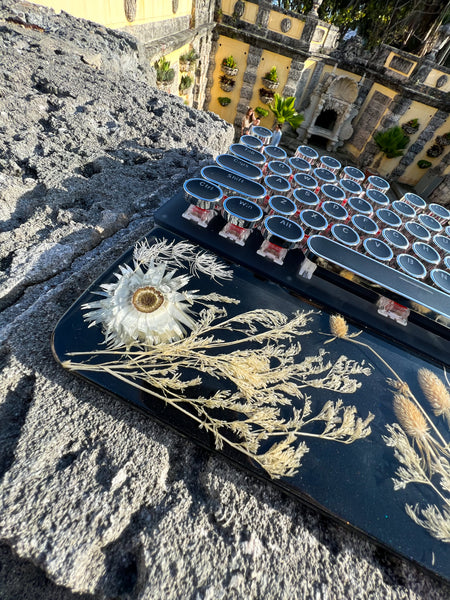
[419, 446]
[258, 371]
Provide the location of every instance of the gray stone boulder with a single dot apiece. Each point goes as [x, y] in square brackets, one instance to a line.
[97, 501]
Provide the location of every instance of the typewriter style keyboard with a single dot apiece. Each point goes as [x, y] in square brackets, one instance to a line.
[334, 217]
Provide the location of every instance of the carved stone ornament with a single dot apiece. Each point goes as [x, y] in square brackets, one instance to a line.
[441, 81]
[174, 6]
[130, 9]
[239, 8]
[285, 25]
[318, 35]
[344, 88]
[316, 6]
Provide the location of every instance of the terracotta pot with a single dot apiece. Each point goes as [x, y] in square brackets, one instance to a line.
[266, 99]
[270, 85]
[229, 71]
[409, 130]
[185, 67]
[435, 151]
[442, 140]
[226, 87]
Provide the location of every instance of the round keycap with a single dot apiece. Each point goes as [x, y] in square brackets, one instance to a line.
[282, 205]
[377, 183]
[441, 279]
[359, 205]
[442, 243]
[299, 165]
[276, 167]
[241, 212]
[312, 221]
[378, 249]
[331, 192]
[441, 213]
[275, 183]
[426, 253]
[430, 223]
[416, 232]
[411, 266]
[345, 235]
[305, 181]
[377, 198]
[353, 173]
[414, 200]
[307, 153]
[388, 218]
[334, 211]
[394, 238]
[305, 197]
[350, 187]
[251, 141]
[324, 176]
[330, 163]
[364, 225]
[282, 232]
[404, 210]
[274, 153]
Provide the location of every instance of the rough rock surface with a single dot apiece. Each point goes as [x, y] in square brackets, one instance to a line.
[97, 501]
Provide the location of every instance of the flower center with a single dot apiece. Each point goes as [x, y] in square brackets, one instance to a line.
[147, 299]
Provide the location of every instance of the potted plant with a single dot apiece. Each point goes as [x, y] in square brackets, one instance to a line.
[229, 66]
[443, 140]
[261, 112]
[266, 96]
[411, 127]
[284, 111]
[164, 72]
[224, 100]
[435, 150]
[185, 83]
[185, 64]
[226, 83]
[188, 60]
[391, 143]
[423, 164]
[270, 79]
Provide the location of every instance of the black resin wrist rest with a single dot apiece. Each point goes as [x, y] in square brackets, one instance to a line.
[333, 369]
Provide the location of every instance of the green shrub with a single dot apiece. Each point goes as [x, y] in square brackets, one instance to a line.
[284, 111]
[272, 75]
[164, 72]
[185, 83]
[391, 142]
[423, 164]
[229, 62]
[261, 112]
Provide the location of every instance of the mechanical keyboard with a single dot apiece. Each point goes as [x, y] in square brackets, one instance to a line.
[313, 220]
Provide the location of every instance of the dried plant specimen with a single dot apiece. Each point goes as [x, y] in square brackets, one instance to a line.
[419, 446]
[436, 393]
[251, 361]
[429, 465]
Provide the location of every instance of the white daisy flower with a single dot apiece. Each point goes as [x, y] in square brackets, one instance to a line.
[143, 308]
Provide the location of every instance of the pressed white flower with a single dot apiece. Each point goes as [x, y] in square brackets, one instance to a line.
[143, 307]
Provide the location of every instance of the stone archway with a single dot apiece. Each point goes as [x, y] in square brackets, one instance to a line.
[330, 110]
[327, 119]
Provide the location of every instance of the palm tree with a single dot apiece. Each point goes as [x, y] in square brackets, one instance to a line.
[284, 111]
[391, 143]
